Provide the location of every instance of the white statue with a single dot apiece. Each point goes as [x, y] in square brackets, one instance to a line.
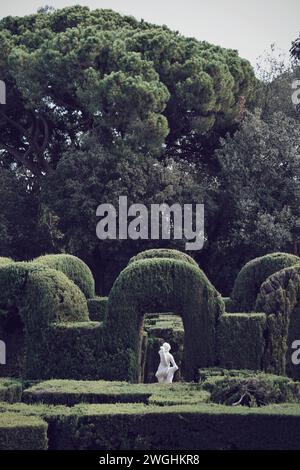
[167, 366]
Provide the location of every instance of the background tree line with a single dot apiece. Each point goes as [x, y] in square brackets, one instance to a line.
[101, 105]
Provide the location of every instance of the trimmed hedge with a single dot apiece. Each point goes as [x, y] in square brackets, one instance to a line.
[69, 392]
[201, 426]
[74, 268]
[193, 427]
[10, 390]
[19, 432]
[253, 274]
[34, 297]
[98, 308]
[4, 261]
[240, 340]
[279, 298]
[164, 253]
[163, 285]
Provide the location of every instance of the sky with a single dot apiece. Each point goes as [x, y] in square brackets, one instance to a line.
[250, 26]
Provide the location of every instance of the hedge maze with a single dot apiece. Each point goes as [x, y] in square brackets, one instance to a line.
[89, 356]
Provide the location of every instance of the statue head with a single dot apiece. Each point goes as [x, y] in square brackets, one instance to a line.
[167, 347]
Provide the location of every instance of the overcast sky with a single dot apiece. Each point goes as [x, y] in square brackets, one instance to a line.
[250, 26]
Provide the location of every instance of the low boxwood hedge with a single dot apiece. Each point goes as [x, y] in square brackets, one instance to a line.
[18, 432]
[71, 392]
[200, 426]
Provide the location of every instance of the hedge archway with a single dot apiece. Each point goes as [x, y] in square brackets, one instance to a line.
[163, 285]
[279, 297]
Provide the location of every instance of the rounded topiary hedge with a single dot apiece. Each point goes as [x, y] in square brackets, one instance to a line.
[74, 268]
[253, 274]
[40, 297]
[151, 285]
[164, 253]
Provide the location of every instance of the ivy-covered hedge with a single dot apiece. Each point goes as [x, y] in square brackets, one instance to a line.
[164, 285]
[164, 253]
[33, 297]
[74, 268]
[19, 432]
[253, 274]
[240, 340]
[98, 308]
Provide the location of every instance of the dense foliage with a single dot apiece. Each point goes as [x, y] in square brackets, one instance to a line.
[74, 268]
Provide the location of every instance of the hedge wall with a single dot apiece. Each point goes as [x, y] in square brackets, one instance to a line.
[163, 285]
[253, 274]
[33, 297]
[19, 432]
[164, 253]
[98, 308]
[74, 268]
[240, 340]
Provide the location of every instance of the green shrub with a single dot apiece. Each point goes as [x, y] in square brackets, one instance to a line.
[74, 268]
[34, 297]
[10, 390]
[256, 390]
[240, 340]
[253, 274]
[98, 308]
[164, 253]
[163, 285]
[19, 432]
